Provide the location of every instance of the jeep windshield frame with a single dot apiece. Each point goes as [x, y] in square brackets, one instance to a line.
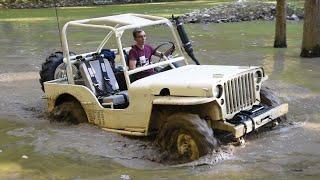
[123, 22]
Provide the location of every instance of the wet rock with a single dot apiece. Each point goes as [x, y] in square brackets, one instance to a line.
[296, 170]
[205, 15]
[125, 177]
[294, 17]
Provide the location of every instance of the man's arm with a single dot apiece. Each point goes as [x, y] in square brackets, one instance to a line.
[132, 59]
[156, 53]
[132, 64]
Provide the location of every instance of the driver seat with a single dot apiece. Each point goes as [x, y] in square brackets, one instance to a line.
[119, 99]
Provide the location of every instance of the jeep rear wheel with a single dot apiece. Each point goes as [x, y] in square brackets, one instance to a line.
[186, 136]
[48, 69]
[69, 111]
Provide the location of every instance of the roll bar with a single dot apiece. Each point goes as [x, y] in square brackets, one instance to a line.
[123, 22]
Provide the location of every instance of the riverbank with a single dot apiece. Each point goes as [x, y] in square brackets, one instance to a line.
[240, 11]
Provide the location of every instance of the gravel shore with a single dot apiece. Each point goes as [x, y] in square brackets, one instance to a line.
[237, 12]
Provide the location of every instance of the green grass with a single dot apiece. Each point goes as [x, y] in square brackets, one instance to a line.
[165, 9]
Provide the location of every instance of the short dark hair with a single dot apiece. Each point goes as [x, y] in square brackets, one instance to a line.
[136, 31]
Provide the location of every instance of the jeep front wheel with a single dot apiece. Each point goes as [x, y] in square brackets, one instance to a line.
[270, 99]
[186, 136]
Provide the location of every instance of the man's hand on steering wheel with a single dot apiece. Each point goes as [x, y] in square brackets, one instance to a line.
[166, 51]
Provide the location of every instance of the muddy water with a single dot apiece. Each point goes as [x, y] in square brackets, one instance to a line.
[31, 146]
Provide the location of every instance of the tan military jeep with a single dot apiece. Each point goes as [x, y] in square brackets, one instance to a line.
[184, 105]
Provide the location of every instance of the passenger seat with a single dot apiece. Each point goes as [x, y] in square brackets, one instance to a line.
[117, 100]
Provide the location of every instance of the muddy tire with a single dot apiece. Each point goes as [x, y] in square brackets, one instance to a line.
[49, 67]
[70, 112]
[270, 99]
[186, 137]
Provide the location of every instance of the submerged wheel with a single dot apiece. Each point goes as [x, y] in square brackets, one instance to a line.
[186, 136]
[52, 68]
[270, 99]
[69, 111]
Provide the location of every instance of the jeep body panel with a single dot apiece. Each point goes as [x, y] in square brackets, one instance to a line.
[191, 80]
[136, 117]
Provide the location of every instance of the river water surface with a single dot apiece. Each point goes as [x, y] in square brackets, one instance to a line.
[32, 147]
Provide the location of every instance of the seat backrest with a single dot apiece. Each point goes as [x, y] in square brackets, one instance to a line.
[95, 65]
[126, 57]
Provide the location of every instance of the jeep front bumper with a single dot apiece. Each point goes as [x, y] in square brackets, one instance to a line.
[252, 122]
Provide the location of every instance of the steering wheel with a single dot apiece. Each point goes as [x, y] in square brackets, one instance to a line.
[166, 49]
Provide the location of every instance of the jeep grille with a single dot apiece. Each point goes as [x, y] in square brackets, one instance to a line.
[239, 93]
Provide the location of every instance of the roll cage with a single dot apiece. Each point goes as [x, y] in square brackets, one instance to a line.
[123, 22]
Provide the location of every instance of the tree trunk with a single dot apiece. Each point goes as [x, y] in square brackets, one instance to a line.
[311, 29]
[280, 40]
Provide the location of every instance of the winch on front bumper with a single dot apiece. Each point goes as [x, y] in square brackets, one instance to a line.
[245, 122]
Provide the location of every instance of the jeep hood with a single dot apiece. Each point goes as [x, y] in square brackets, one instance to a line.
[190, 80]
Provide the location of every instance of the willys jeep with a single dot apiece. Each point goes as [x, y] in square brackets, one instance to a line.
[184, 105]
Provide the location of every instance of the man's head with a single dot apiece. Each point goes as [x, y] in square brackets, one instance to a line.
[139, 36]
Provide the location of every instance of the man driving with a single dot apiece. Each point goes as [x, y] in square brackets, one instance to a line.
[141, 53]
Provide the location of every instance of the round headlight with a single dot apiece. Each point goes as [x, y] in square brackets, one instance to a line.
[258, 76]
[217, 91]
